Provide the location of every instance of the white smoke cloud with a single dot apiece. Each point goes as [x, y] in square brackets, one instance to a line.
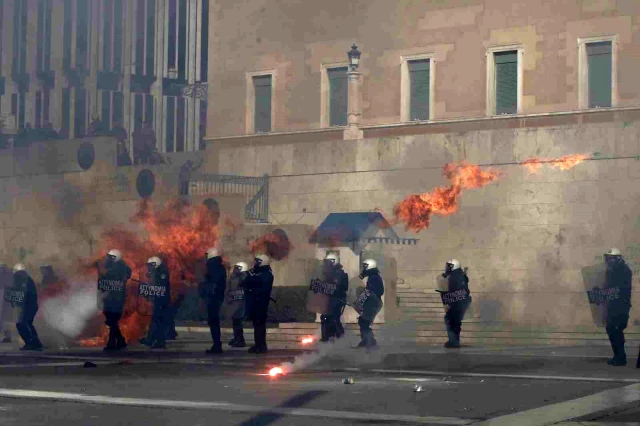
[69, 312]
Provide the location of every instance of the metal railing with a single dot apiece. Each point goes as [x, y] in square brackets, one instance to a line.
[255, 190]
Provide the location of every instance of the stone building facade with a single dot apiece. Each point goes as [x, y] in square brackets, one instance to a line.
[569, 87]
[66, 61]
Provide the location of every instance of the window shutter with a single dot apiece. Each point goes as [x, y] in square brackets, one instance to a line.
[262, 113]
[506, 66]
[338, 96]
[599, 60]
[419, 76]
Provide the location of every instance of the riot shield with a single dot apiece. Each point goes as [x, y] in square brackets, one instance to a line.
[144, 300]
[234, 306]
[593, 278]
[450, 298]
[367, 305]
[321, 290]
[110, 292]
[15, 296]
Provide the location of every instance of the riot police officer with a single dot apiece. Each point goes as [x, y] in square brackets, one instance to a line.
[375, 285]
[237, 301]
[258, 286]
[212, 292]
[113, 297]
[158, 275]
[331, 326]
[28, 310]
[457, 280]
[618, 286]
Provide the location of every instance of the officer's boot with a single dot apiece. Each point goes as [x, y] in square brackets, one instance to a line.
[324, 328]
[238, 335]
[260, 335]
[363, 332]
[339, 328]
[121, 343]
[619, 356]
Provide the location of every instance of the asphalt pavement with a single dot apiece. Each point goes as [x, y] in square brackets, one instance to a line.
[182, 385]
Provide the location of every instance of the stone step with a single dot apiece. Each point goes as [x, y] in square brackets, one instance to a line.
[410, 309]
[521, 335]
[472, 341]
[418, 291]
[412, 303]
[474, 325]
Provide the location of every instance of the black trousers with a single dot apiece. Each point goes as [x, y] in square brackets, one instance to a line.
[453, 320]
[616, 323]
[238, 331]
[112, 320]
[158, 328]
[366, 334]
[25, 327]
[213, 319]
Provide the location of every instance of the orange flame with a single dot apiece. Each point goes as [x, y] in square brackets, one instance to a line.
[416, 210]
[275, 371]
[275, 244]
[307, 340]
[179, 234]
[567, 162]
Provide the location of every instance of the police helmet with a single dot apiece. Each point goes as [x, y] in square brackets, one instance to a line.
[18, 267]
[263, 259]
[455, 264]
[115, 254]
[613, 252]
[155, 261]
[331, 257]
[241, 267]
[369, 264]
[212, 252]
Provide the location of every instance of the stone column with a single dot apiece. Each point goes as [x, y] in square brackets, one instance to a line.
[353, 132]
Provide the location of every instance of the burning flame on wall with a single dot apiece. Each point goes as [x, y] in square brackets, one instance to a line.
[179, 234]
[416, 210]
[567, 162]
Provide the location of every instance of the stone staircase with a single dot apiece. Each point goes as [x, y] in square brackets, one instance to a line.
[424, 307]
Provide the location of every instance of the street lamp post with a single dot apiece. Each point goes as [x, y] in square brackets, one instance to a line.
[353, 132]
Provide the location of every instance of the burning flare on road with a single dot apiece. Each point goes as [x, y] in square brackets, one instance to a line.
[307, 340]
[276, 371]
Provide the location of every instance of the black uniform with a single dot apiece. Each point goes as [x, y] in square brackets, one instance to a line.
[258, 287]
[28, 310]
[458, 280]
[237, 282]
[618, 281]
[330, 323]
[212, 291]
[161, 308]
[376, 286]
[113, 302]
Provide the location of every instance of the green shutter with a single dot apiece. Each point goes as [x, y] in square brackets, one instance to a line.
[599, 59]
[419, 76]
[262, 113]
[338, 96]
[506, 82]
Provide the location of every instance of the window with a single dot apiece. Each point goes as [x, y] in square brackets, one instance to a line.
[504, 80]
[599, 74]
[419, 91]
[338, 96]
[262, 107]
[506, 83]
[597, 58]
[259, 116]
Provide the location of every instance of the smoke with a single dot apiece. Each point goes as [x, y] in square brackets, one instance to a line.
[70, 312]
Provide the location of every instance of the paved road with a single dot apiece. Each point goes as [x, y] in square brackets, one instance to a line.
[185, 387]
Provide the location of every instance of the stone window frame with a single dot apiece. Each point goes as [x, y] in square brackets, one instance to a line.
[250, 100]
[405, 85]
[583, 69]
[325, 105]
[491, 77]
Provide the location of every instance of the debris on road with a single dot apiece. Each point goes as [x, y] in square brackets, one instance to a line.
[89, 365]
[347, 380]
[418, 388]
